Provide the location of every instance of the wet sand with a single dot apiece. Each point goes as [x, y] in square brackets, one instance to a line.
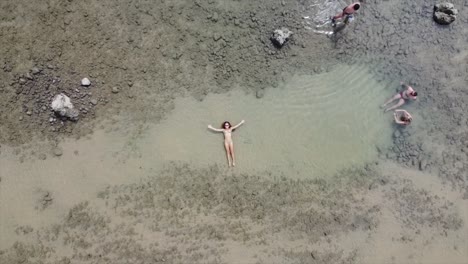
[408, 205]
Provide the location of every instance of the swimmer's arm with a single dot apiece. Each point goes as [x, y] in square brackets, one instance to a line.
[397, 120]
[215, 129]
[238, 125]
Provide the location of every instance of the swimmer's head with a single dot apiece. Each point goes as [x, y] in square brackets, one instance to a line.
[405, 119]
[226, 125]
[414, 93]
[356, 6]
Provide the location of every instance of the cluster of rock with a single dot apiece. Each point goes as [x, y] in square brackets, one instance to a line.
[52, 104]
[406, 152]
[62, 105]
[445, 13]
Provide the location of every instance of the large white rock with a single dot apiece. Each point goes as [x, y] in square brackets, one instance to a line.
[445, 13]
[85, 82]
[280, 36]
[63, 106]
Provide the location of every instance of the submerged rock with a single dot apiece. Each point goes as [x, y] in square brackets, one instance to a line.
[280, 36]
[260, 93]
[445, 13]
[58, 151]
[62, 106]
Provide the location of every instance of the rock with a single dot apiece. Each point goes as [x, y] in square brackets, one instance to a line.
[215, 17]
[29, 113]
[94, 101]
[29, 76]
[45, 200]
[62, 105]
[445, 13]
[35, 70]
[216, 36]
[58, 151]
[115, 89]
[280, 36]
[260, 93]
[396, 134]
[85, 82]
[465, 196]
[22, 81]
[422, 164]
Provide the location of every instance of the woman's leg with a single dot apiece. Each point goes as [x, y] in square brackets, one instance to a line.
[395, 97]
[233, 157]
[228, 155]
[400, 103]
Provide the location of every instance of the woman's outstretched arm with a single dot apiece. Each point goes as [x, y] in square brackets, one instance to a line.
[238, 125]
[215, 129]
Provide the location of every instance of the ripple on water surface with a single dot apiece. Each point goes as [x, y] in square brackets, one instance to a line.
[311, 126]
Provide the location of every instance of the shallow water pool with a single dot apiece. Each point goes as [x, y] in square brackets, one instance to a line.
[312, 126]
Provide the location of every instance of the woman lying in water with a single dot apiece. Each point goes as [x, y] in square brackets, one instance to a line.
[227, 129]
[402, 97]
[402, 117]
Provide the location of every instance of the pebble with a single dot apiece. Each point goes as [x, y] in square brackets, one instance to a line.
[115, 89]
[85, 82]
[29, 113]
[36, 70]
[94, 101]
[422, 164]
[465, 196]
[22, 81]
[215, 17]
[58, 152]
[29, 76]
[260, 93]
[216, 36]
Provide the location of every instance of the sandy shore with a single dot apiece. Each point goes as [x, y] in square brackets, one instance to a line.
[407, 207]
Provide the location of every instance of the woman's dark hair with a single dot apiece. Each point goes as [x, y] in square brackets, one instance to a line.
[356, 6]
[224, 123]
[405, 119]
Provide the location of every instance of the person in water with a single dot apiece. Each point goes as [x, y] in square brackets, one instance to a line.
[227, 129]
[346, 13]
[402, 117]
[402, 97]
